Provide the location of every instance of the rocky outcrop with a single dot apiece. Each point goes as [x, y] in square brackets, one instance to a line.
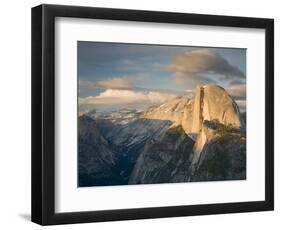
[212, 103]
[164, 161]
[173, 159]
[126, 140]
[95, 155]
[198, 108]
[184, 139]
[222, 158]
[178, 111]
[210, 117]
[204, 136]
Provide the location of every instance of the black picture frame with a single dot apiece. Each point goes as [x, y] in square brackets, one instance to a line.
[43, 110]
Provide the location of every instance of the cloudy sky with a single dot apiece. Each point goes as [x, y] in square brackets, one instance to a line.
[114, 75]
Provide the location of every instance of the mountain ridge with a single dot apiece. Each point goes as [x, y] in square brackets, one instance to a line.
[140, 137]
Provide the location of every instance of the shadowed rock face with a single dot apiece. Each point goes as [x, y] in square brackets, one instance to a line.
[108, 151]
[164, 161]
[185, 139]
[223, 158]
[95, 155]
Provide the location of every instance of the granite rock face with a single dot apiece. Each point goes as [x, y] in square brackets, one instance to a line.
[164, 161]
[185, 139]
[212, 102]
[178, 111]
[223, 158]
[213, 118]
[95, 155]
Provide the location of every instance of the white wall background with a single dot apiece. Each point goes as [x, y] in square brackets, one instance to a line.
[15, 114]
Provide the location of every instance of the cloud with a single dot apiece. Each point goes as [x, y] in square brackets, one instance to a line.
[120, 98]
[191, 80]
[193, 68]
[114, 83]
[242, 105]
[237, 91]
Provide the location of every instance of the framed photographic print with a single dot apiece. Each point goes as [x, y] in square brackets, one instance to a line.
[142, 114]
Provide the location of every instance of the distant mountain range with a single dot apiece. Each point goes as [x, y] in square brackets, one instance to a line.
[182, 140]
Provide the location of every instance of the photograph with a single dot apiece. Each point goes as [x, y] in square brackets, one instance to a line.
[151, 114]
[146, 113]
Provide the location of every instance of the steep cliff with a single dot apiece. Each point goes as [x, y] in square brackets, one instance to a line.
[222, 158]
[212, 103]
[212, 119]
[95, 155]
[164, 161]
[178, 111]
[185, 139]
